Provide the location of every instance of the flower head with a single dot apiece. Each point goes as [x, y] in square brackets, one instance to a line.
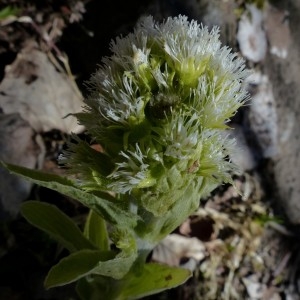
[158, 106]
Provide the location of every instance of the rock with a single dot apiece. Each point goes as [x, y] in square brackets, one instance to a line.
[284, 75]
[17, 146]
[262, 115]
[278, 30]
[251, 35]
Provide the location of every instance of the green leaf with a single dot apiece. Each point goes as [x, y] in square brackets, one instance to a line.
[8, 11]
[95, 230]
[58, 225]
[118, 267]
[87, 262]
[76, 266]
[104, 204]
[92, 287]
[98, 288]
[154, 279]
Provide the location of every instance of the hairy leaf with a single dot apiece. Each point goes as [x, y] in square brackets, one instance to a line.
[95, 230]
[58, 225]
[76, 266]
[154, 278]
[104, 204]
[87, 262]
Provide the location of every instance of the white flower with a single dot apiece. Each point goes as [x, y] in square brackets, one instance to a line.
[159, 105]
[131, 172]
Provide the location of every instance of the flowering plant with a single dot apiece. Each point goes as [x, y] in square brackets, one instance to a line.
[158, 107]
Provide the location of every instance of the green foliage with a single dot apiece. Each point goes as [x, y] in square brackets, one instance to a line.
[95, 230]
[242, 6]
[259, 3]
[51, 220]
[150, 279]
[153, 278]
[102, 203]
[8, 11]
[78, 265]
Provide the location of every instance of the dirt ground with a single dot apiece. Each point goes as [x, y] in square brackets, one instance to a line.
[237, 248]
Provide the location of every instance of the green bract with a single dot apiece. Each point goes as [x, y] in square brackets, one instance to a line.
[158, 106]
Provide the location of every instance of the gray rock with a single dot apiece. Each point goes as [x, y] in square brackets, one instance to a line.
[17, 146]
[284, 74]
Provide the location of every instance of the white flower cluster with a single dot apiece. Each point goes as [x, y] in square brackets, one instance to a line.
[158, 105]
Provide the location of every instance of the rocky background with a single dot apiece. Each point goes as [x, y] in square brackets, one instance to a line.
[238, 247]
